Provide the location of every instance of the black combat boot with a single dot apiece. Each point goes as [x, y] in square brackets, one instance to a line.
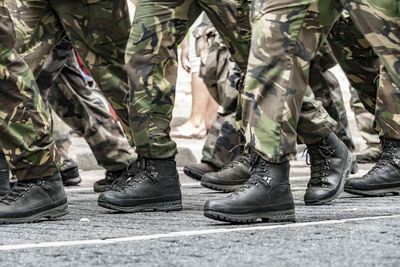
[231, 177]
[154, 188]
[4, 176]
[384, 178]
[331, 163]
[71, 176]
[34, 200]
[197, 170]
[265, 196]
[115, 180]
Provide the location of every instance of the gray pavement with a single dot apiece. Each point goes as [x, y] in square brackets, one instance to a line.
[354, 231]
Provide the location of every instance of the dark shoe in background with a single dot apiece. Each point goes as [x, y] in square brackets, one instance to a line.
[266, 196]
[34, 200]
[197, 170]
[384, 178]
[155, 187]
[4, 176]
[231, 177]
[71, 176]
[331, 163]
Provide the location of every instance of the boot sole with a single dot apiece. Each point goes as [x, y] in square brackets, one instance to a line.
[268, 216]
[222, 188]
[72, 181]
[192, 173]
[345, 175]
[159, 206]
[50, 214]
[375, 193]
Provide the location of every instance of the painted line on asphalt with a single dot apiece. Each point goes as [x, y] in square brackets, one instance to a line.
[185, 234]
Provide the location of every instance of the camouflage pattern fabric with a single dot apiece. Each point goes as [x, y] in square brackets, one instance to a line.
[98, 30]
[25, 136]
[84, 109]
[285, 37]
[326, 89]
[151, 57]
[158, 28]
[221, 75]
[362, 67]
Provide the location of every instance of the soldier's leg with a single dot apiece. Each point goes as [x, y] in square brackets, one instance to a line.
[25, 139]
[221, 75]
[285, 37]
[372, 19]
[101, 45]
[326, 88]
[69, 168]
[361, 66]
[151, 57]
[365, 124]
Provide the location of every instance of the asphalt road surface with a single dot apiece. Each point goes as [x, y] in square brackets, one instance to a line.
[354, 231]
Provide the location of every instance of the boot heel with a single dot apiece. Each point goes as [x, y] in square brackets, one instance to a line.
[280, 216]
[57, 212]
[170, 206]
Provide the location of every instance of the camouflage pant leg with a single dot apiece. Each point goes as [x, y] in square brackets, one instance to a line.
[83, 109]
[326, 89]
[152, 65]
[63, 142]
[99, 32]
[285, 37]
[379, 23]
[221, 75]
[24, 130]
[97, 29]
[37, 29]
[364, 119]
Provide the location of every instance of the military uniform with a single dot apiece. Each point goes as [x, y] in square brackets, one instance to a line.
[292, 50]
[83, 109]
[221, 75]
[24, 126]
[158, 28]
[98, 31]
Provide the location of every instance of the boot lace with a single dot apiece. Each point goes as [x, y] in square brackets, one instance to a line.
[127, 175]
[148, 171]
[318, 157]
[16, 192]
[388, 157]
[258, 172]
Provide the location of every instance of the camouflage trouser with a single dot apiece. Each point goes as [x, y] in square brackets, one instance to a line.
[285, 37]
[151, 56]
[365, 120]
[98, 30]
[221, 75]
[25, 136]
[362, 67]
[326, 88]
[83, 109]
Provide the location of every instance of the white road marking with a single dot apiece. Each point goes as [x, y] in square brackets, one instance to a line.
[185, 234]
